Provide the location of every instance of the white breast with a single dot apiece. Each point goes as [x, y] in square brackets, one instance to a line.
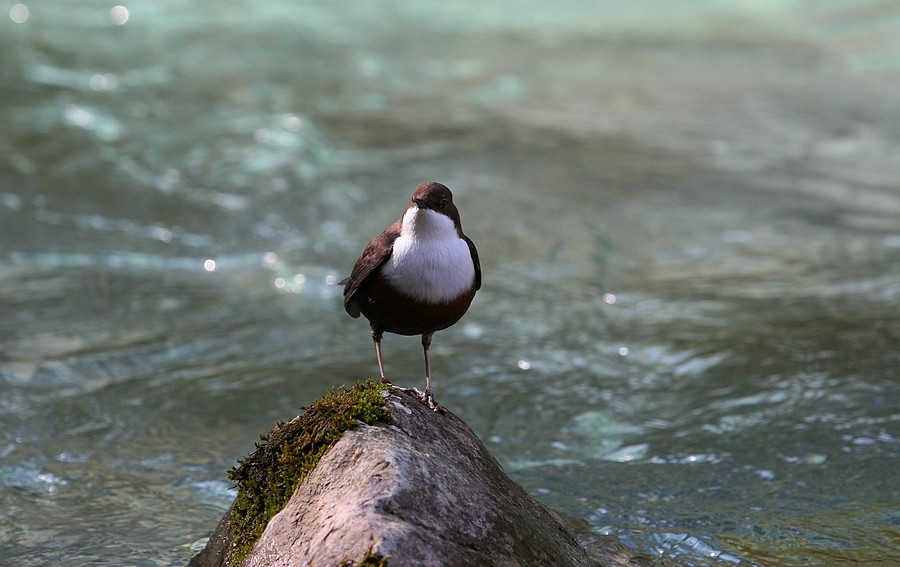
[430, 261]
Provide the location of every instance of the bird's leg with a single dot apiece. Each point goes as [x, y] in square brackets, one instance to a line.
[427, 395]
[376, 336]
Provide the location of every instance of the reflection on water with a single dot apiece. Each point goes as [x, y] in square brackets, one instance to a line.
[687, 217]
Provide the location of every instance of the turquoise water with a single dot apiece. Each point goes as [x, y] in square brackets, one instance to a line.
[687, 217]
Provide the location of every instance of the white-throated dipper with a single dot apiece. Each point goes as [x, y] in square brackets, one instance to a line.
[417, 277]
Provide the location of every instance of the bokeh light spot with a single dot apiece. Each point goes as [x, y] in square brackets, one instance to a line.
[291, 123]
[163, 235]
[270, 259]
[19, 13]
[103, 82]
[119, 15]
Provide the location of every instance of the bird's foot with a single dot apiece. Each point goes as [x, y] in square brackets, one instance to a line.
[426, 398]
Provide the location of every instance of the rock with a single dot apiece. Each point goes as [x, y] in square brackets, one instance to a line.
[420, 491]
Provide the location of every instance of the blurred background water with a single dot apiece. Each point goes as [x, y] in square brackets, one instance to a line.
[688, 215]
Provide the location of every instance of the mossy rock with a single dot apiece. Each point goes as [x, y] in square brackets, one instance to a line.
[422, 491]
[268, 477]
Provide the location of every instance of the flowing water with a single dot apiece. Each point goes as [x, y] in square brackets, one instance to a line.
[688, 216]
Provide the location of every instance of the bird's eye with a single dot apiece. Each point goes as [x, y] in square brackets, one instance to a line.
[443, 204]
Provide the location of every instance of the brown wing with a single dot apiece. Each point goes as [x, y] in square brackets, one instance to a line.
[475, 261]
[375, 254]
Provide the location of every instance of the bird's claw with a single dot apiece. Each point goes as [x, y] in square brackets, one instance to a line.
[426, 398]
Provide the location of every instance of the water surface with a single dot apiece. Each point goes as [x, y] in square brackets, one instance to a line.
[687, 216]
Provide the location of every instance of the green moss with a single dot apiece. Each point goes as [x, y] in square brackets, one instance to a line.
[267, 478]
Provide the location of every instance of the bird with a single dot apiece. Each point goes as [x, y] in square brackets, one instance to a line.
[417, 277]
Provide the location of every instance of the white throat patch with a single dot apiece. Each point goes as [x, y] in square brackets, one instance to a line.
[430, 262]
